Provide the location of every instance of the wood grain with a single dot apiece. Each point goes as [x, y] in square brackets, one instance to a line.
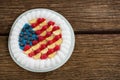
[95, 57]
[96, 24]
[84, 15]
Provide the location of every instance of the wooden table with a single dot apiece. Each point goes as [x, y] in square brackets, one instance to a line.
[96, 24]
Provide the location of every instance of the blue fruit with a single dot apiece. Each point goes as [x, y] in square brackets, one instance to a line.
[26, 36]
[21, 47]
[26, 26]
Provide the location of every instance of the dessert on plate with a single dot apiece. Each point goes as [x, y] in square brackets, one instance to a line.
[41, 40]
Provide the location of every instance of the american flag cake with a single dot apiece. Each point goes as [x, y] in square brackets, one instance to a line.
[41, 40]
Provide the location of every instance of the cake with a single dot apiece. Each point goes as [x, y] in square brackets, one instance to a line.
[41, 40]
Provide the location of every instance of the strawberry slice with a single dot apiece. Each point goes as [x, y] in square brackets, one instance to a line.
[51, 23]
[37, 51]
[40, 20]
[31, 54]
[55, 28]
[43, 56]
[38, 32]
[41, 38]
[50, 51]
[44, 27]
[50, 42]
[34, 42]
[57, 37]
[57, 47]
[33, 25]
[48, 34]
[43, 46]
[27, 47]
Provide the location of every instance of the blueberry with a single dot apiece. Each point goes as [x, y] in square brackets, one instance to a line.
[30, 43]
[31, 39]
[30, 35]
[30, 30]
[21, 34]
[34, 37]
[23, 30]
[21, 47]
[21, 44]
[25, 33]
[26, 37]
[26, 26]
[20, 39]
[27, 42]
[24, 42]
[33, 32]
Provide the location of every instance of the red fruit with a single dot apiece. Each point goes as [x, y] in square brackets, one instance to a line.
[54, 40]
[57, 47]
[51, 23]
[50, 42]
[57, 37]
[44, 27]
[48, 34]
[37, 24]
[40, 38]
[27, 47]
[31, 54]
[43, 46]
[33, 25]
[34, 42]
[40, 20]
[37, 51]
[55, 28]
[43, 56]
[38, 32]
[50, 51]
[60, 35]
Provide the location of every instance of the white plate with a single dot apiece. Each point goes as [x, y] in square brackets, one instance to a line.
[48, 64]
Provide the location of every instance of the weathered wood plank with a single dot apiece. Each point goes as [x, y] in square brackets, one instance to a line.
[84, 15]
[96, 57]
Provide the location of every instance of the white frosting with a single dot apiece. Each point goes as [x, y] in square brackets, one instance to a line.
[41, 65]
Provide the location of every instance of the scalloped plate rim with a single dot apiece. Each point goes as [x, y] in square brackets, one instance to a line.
[57, 66]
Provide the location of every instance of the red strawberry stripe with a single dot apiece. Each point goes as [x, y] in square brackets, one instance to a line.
[50, 51]
[40, 20]
[51, 23]
[55, 28]
[26, 47]
[43, 46]
[57, 47]
[44, 28]
[38, 32]
[34, 42]
[37, 51]
[44, 56]
[48, 34]
[50, 42]
[33, 25]
[41, 38]
[57, 37]
[31, 54]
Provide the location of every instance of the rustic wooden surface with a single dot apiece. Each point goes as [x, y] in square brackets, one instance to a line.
[96, 24]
